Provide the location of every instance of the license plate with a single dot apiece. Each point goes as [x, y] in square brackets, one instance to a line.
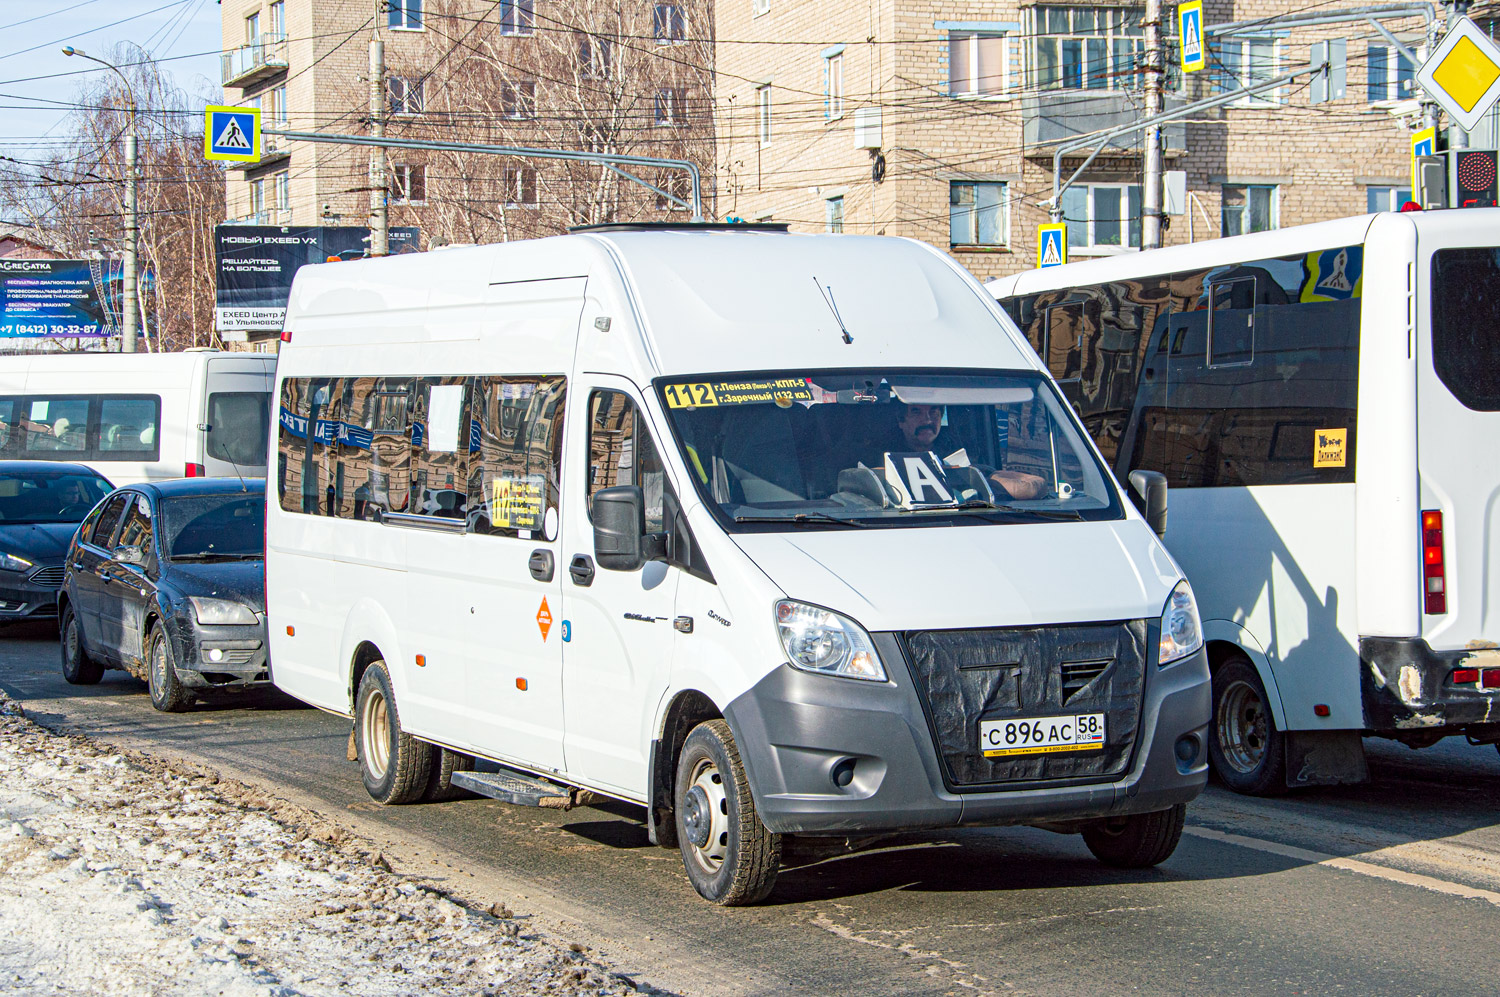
[1041, 735]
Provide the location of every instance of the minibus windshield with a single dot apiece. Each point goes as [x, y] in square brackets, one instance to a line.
[849, 449]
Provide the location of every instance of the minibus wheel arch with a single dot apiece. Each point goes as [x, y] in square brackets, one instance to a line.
[365, 655]
[687, 710]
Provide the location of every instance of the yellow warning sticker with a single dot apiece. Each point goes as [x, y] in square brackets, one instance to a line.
[780, 391]
[1330, 447]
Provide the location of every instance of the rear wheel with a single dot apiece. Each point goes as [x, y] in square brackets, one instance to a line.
[395, 766]
[77, 667]
[1248, 752]
[167, 692]
[730, 856]
[1137, 841]
[440, 783]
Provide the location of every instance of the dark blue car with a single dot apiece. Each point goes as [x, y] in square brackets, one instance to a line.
[41, 505]
[166, 581]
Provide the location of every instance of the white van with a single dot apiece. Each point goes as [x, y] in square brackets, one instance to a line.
[767, 533]
[139, 416]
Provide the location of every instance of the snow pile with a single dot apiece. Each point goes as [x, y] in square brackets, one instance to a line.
[126, 875]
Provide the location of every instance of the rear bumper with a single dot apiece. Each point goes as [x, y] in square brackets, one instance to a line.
[801, 735]
[1404, 686]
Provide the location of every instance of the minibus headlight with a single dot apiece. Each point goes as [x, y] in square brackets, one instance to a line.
[10, 562]
[819, 640]
[218, 612]
[1181, 629]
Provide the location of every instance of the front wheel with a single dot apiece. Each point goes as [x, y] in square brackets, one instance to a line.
[730, 856]
[1248, 752]
[1137, 841]
[77, 667]
[167, 692]
[395, 766]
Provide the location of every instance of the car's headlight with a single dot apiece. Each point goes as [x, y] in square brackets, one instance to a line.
[215, 612]
[819, 640]
[10, 562]
[1181, 629]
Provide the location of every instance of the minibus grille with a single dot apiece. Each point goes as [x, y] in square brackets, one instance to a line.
[968, 676]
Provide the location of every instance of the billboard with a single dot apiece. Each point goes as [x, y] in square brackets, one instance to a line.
[58, 297]
[255, 265]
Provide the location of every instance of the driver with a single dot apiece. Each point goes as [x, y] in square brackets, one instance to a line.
[920, 426]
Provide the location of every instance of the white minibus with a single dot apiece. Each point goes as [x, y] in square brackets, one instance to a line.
[140, 416]
[768, 533]
[1325, 403]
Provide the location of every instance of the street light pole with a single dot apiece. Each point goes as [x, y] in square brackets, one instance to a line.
[129, 307]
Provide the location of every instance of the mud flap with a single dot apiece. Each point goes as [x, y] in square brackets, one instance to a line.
[1325, 758]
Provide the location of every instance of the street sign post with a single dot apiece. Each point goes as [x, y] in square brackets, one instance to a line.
[1463, 73]
[1423, 143]
[232, 134]
[1190, 32]
[1051, 244]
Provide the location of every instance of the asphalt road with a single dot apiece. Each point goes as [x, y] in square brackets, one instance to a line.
[1388, 888]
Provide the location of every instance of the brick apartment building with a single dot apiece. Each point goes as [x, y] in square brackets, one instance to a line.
[561, 74]
[937, 119]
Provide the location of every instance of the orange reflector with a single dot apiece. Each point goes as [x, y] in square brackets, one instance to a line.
[521, 684]
[1321, 709]
[421, 661]
[290, 632]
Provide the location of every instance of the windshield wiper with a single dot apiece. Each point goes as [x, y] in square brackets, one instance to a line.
[801, 519]
[209, 555]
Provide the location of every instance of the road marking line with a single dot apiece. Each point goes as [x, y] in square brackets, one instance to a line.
[1348, 865]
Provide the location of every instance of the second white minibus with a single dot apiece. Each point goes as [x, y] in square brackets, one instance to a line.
[1325, 403]
[768, 533]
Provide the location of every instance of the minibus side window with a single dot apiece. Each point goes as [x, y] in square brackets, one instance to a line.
[293, 454]
[376, 445]
[621, 452]
[321, 479]
[440, 435]
[515, 462]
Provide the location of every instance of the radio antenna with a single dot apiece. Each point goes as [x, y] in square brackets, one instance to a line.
[828, 300]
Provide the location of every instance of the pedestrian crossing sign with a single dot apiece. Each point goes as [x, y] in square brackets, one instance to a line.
[1423, 143]
[232, 133]
[1051, 245]
[1190, 32]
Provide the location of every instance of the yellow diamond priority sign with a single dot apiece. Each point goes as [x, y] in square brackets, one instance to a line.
[1463, 73]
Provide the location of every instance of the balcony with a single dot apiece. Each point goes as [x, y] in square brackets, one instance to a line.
[1051, 117]
[251, 64]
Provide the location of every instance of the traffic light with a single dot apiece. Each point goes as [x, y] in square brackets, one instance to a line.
[1472, 178]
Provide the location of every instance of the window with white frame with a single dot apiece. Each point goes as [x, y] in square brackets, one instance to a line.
[833, 83]
[403, 95]
[281, 191]
[405, 15]
[517, 17]
[763, 112]
[258, 196]
[408, 183]
[680, 187]
[518, 99]
[519, 186]
[278, 18]
[595, 56]
[668, 25]
[976, 63]
[1388, 73]
[759, 7]
[671, 107]
[252, 29]
[1245, 62]
[1248, 208]
[1086, 48]
[978, 214]
[833, 213]
[1386, 198]
[275, 106]
[1103, 216]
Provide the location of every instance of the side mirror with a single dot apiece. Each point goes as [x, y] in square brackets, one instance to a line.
[621, 542]
[128, 555]
[1151, 486]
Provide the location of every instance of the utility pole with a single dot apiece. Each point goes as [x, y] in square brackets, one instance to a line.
[1457, 137]
[379, 219]
[1151, 183]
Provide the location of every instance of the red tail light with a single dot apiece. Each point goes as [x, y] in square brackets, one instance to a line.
[1489, 678]
[1463, 676]
[194, 471]
[1434, 578]
[286, 335]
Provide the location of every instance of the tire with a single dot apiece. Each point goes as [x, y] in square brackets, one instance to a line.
[1247, 750]
[440, 783]
[167, 692]
[77, 667]
[730, 856]
[1137, 841]
[394, 765]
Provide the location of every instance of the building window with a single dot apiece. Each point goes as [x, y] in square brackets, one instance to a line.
[833, 85]
[763, 112]
[519, 183]
[1245, 62]
[282, 191]
[1249, 208]
[252, 29]
[1103, 216]
[404, 95]
[759, 7]
[976, 64]
[517, 17]
[257, 198]
[1087, 48]
[595, 56]
[518, 99]
[978, 214]
[408, 184]
[278, 19]
[1390, 74]
[275, 106]
[680, 187]
[405, 14]
[668, 26]
[833, 211]
[671, 107]
[1386, 198]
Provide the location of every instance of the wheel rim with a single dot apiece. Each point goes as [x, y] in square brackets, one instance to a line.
[705, 816]
[1244, 728]
[375, 734]
[158, 666]
[70, 643]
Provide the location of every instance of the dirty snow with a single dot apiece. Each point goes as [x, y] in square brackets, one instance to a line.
[124, 874]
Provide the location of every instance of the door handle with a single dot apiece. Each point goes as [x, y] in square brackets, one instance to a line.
[581, 570]
[541, 565]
